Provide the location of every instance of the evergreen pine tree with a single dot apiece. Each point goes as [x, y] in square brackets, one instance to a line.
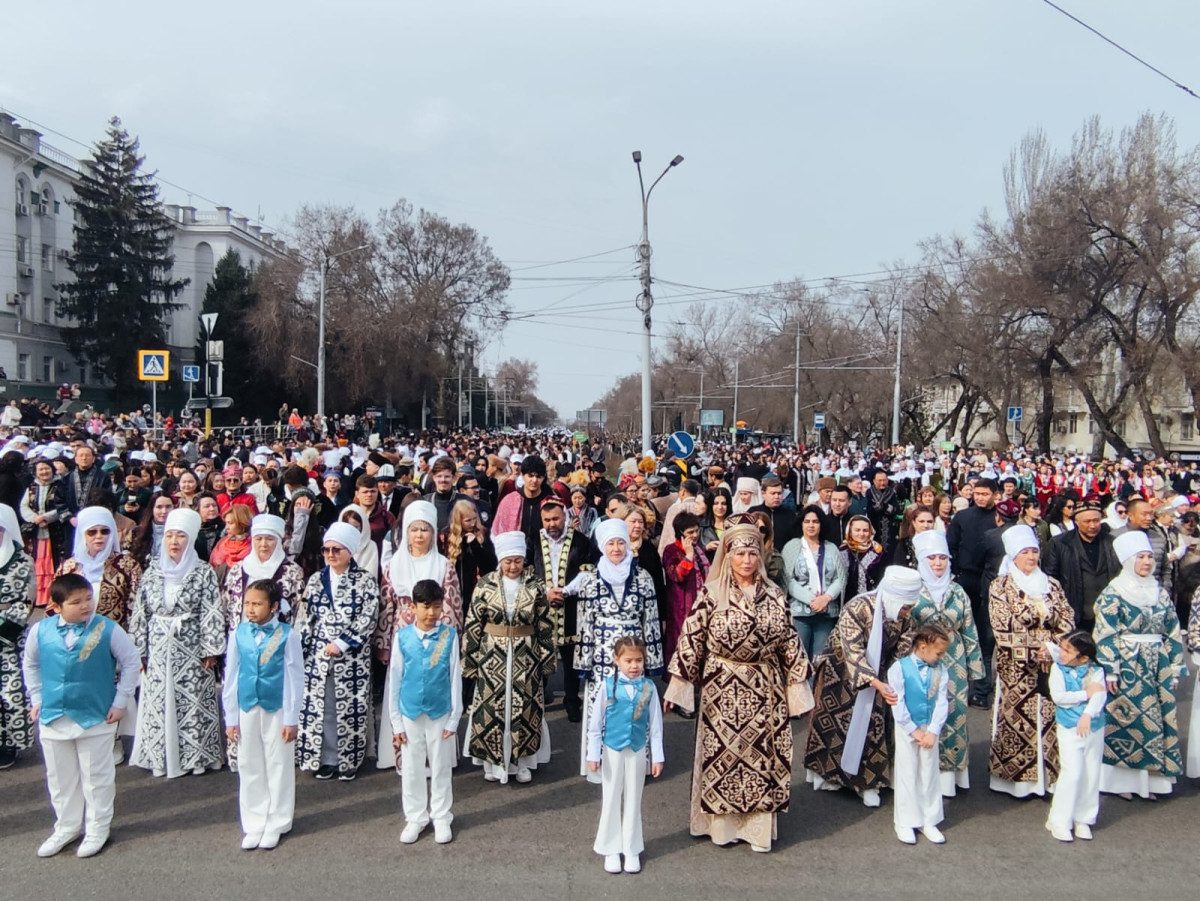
[122, 291]
[231, 295]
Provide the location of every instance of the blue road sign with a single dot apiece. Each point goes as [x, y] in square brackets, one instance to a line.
[818, 420]
[191, 373]
[681, 444]
[1015, 414]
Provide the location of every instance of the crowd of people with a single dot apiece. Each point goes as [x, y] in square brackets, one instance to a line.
[332, 598]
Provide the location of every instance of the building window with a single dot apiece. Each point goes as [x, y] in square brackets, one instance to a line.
[22, 367]
[82, 375]
[22, 249]
[48, 369]
[1119, 427]
[48, 310]
[1187, 426]
[47, 257]
[1073, 422]
[1091, 426]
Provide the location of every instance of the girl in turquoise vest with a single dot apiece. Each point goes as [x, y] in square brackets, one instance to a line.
[1079, 693]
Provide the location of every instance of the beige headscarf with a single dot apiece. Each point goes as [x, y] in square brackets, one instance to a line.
[720, 584]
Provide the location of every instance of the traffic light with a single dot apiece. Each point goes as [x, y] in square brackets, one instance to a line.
[216, 378]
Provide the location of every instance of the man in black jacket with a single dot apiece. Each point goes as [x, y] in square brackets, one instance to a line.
[965, 538]
[838, 519]
[1083, 561]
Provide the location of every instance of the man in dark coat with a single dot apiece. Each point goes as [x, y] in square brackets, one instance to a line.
[1083, 561]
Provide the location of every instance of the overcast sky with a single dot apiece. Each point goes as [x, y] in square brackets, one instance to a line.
[820, 138]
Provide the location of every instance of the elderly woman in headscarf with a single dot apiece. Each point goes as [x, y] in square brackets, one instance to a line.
[945, 603]
[340, 603]
[366, 555]
[266, 560]
[748, 494]
[1028, 609]
[739, 641]
[849, 741]
[16, 603]
[98, 558]
[615, 599]
[509, 652]
[416, 558]
[1138, 643]
[178, 626]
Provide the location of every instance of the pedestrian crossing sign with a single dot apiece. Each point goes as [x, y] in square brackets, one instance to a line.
[154, 365]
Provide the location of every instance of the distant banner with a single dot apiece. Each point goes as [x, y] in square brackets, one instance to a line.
[712, 418]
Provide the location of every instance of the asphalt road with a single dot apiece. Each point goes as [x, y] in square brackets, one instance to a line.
[179, 839]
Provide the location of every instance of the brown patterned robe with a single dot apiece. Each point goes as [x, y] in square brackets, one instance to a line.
[118, 585]
[396, 612]
[485, 662]
[842, 672]
[753, 674]
[1022, 628]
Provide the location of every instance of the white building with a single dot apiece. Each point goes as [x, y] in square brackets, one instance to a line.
[36, 202]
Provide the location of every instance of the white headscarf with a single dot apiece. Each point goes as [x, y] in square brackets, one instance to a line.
[1016, 539]
[11, 540]
[344, 534]
[255, 569]
[613, 573]
[90, 518]
[1111, 517]
[509, 544]
[405, 570]
[932, 544]
[1140, 591]
[366, 555]
[751, 485]
[188, 522]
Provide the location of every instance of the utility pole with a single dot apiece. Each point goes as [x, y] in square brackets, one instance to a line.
[700, 412]
[896, 388]
[736, 363]
[458, 404]
[796, 391]
[321, 345]
[645, 300]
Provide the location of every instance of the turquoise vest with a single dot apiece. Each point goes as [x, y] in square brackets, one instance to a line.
[260, 667]
[626, 720]
[920, 692]
[81, 682]
[425, 686]
[1073, 677]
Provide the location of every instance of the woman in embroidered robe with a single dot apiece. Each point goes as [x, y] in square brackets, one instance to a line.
[509, 653]
[17, 588]
[1028, 609]
[340, 603]
[97, 557]
[1139, 645]
[178, 626]
[740, 648]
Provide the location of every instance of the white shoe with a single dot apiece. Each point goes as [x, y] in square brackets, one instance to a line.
[761, 849]
[442, 833]
[490, 777]
[633, 863]
[158, 774]
[118, 753]
[612, 863]
[934, 834]
[1083, 831]
[410, 833]
[523, 774]
[269, 840]
[198, 771]
[906, 835]
[870, 798]
[91, 845]
[55, 843]
[250, 840]
[1063, 835]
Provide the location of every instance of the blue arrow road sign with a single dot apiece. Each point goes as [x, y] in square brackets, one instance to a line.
[681, 444]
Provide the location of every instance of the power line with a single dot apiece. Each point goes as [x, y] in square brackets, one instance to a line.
[1128, 53]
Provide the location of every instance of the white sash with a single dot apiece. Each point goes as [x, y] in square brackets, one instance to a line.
[860, 720]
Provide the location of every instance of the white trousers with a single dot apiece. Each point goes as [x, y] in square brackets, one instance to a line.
[916, 784]
[622, 777]
[1077, 794]
[425, 746]
[266, 773]
[82, 776]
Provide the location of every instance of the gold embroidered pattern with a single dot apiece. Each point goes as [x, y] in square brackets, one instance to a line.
[439, 648]
[272, 645]
[92, 641]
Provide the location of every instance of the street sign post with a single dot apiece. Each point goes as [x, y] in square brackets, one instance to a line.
[681, 444]
[1015, 415]
[818, 420]
[191, 373]
[154, 366]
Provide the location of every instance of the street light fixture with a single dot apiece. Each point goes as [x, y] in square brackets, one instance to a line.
[645, 300]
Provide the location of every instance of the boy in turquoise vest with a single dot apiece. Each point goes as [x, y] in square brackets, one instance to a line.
[71, 669]
[625, 718]
[920, 682]
[264, 685]
[424, 708]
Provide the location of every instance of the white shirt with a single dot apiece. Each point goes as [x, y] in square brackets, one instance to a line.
[396, 674]
[293, 679]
